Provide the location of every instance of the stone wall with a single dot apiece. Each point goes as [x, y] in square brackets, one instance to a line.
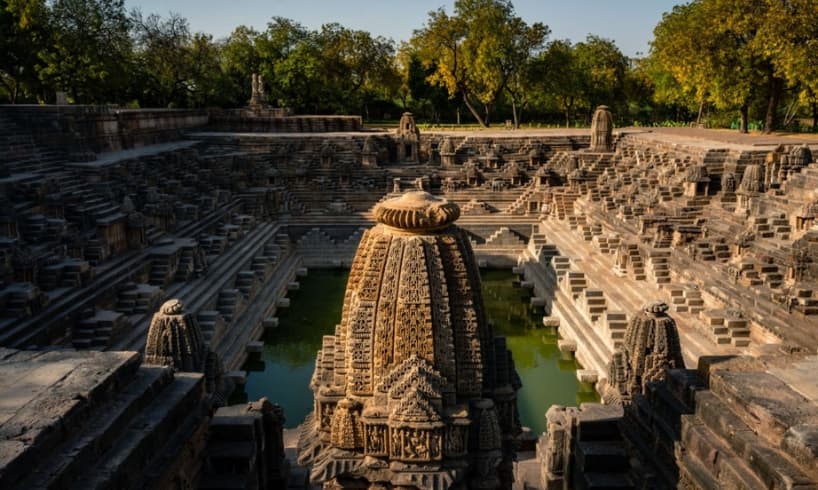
[82, 129]
[240, 121]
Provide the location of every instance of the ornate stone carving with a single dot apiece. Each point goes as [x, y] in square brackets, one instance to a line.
[753, 180]
[397, 383]
[174, 339]
[417, 212]
[651, 347]
[408, 139]
[369, 153]
[448, 156]
[257, 95]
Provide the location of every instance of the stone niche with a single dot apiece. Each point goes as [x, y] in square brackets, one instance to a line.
[408, 139]
[393, 409]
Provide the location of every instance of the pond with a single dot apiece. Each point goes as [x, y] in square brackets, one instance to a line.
[283, 372]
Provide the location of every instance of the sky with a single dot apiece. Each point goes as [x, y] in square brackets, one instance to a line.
[629, 23]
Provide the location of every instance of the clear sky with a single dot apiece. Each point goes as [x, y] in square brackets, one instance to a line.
[629, 23]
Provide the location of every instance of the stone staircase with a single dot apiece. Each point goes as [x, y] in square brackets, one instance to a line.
[520, 205]
[593, 304]
[125, 421]
[591, 455]
[614, 325]
[607, 244]
[98, 329]
[658, 266]
[686, 298]
[573, 283]
[635, 264]
[21, 153]
[139, 299]
[754, 421]
[726, 327]
[241, 450]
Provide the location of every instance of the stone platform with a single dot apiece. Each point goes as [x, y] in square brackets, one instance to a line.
[94, 419]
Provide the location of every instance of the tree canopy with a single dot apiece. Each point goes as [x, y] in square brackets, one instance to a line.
[710, 60]
[738, 55]
[479, 51]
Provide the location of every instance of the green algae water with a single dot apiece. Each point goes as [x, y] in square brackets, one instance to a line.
[548, 377]
[283, 372]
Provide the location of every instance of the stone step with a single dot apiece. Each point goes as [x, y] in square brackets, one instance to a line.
[76, 455]
[147, 437]
[729, 425]
[43, 389]
[601, 456]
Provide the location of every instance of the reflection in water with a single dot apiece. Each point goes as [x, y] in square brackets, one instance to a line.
[548, 378]
[284, 370]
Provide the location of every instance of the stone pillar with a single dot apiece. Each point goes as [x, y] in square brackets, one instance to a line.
[553, 449]
[369, 153]
[602, 130]
[174, 339]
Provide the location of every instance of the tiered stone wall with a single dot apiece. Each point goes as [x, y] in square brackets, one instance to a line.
[240, 121]
[84, 130]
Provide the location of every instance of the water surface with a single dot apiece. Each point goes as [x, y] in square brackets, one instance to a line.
[287, 362]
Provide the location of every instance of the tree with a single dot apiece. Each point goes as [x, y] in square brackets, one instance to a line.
[282, 38]
[416, 92]
[88, 55]
[477, 51]
[789, 37]
[739, 55]
[653, 94]
[162, 50]
[240, 58]
[523, 44]
[561, 81]
[706, 58]
[23, 34]
[356, 65]
[439, 46]
[602, 67]
[206, 80]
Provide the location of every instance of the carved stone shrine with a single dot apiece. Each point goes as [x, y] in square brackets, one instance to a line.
[413, 390]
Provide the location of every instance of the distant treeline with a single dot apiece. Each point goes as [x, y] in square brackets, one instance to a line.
[716, 62]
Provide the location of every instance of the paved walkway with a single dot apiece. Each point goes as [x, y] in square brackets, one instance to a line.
[730, 136]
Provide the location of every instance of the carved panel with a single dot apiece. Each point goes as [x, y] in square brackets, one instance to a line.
[376, 442]
[457, 437]
[414, 445]
[384, 331]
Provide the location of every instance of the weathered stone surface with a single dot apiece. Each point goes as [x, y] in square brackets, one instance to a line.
[406, 378]
[722, 224]
[84, 419]
[651, 346]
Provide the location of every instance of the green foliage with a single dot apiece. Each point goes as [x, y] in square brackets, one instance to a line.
[575, 78]
[334, 69]
[479, 51]
[720, 59]
[89, 50]
[162, 53]
[23, 34]
[745, 56]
